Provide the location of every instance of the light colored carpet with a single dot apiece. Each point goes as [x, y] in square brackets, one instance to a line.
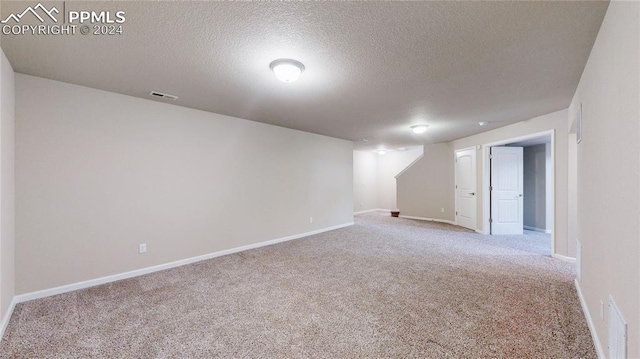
[384, 288]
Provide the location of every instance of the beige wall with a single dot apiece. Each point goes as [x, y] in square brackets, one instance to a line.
[374, 177]
[365, 180]
[98, 173]
[608, 171]
[549, 195]
[389, 166]
[427, 186]
[572, 194]
[7, 203]
[555, 121]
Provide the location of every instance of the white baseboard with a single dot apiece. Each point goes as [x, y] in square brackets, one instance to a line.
[564, 258]
[541, 230]
[135, 273]
[592, 327]
[7, 317]
[373, 210]
[429, 219]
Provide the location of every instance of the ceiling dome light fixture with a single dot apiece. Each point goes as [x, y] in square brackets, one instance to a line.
[286, 70]
[382, 152]
[419, 128]
[483, 123]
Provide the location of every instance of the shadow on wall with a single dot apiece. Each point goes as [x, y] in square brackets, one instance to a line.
[374, 177]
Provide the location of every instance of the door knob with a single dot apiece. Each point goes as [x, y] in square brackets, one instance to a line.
[520, 195]
[472, 193]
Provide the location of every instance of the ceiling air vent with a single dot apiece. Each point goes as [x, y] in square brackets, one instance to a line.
[163, 95]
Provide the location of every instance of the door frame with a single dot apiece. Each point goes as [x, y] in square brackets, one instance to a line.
[455, 182]
[486, 180]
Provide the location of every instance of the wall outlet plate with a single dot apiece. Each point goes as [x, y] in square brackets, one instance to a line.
[142, 248]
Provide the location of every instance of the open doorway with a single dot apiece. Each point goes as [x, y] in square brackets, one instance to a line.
[530, 207]
[537, 183]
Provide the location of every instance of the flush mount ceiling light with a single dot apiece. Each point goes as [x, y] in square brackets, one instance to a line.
[286, 70]
[382, 152]
[483, 123]
[419, 128]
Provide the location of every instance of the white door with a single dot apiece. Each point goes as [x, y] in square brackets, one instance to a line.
[466, 188]
[506, 190]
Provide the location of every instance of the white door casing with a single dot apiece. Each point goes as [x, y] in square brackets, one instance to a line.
[465, 188]
[507, 186]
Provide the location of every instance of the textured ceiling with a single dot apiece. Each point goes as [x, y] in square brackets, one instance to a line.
[372, 68]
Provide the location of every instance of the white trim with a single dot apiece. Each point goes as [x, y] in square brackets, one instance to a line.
[138, 272]
[541, 230]
[373, 210]
[474, 147]
[592, 327]
[7, 317]
[564, 258]
[429, 219]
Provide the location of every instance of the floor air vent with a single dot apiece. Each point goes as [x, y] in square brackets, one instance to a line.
[163, 95]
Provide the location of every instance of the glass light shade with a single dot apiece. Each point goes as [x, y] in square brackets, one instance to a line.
[419, 128]
[287, 70]
[382, 152]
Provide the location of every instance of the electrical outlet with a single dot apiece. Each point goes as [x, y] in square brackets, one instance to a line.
[601, 310]
[310, 219]
[142, 248]
[442, 210]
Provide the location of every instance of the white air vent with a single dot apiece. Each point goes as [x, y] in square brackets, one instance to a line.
[163, 95]
[617, 332]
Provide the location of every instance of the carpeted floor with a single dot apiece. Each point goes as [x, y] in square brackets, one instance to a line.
[384, 288]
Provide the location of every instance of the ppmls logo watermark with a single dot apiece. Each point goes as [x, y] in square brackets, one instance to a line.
[40, 20]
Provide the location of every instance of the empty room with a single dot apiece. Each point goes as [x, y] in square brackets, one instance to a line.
[294, 179]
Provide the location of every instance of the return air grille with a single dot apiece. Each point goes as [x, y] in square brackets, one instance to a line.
[617, 332]
[163, 95]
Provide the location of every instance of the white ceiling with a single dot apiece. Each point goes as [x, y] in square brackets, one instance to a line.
[372, 68]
